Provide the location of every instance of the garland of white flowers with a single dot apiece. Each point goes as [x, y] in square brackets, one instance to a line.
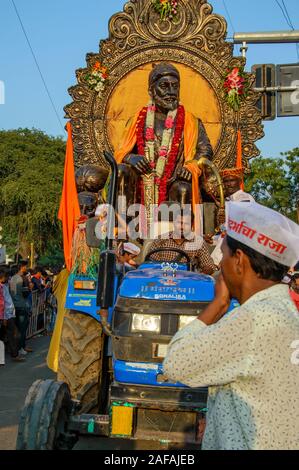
[166, 143]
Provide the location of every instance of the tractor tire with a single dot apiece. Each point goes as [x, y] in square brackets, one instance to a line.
[80, 359]
[44, 417]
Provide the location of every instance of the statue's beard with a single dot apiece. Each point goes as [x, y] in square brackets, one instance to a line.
[166, 104]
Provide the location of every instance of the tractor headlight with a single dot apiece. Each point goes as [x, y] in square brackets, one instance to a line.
[185, 320]
[146, 323]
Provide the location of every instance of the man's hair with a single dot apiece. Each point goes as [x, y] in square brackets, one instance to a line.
[21, 264]
[264, 267]
[3, 273]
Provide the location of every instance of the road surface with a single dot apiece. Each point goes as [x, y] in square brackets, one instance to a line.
[16, 379]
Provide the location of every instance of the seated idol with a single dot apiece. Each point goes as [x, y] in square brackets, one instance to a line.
[162, 143]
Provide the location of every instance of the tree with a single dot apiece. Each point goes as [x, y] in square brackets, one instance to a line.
[274, 182]
[292, 158]
[31, 174]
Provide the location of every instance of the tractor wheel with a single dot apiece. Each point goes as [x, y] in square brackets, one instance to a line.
[80, 359]
[45, 416]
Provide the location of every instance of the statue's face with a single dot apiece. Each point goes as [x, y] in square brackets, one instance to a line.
[165, 93]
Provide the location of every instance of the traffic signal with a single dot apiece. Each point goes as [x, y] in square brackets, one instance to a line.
[265, 76]
[288, 101]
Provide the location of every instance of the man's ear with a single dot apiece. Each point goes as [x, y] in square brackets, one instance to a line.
[240, 262]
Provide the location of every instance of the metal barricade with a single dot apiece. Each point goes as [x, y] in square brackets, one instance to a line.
[38, 318]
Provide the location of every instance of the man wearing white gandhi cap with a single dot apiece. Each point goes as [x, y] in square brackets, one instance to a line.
[126, 253]
[264, 230]
[131, 248]
[249, 358]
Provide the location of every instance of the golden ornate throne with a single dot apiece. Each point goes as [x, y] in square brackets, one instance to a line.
[196, 44]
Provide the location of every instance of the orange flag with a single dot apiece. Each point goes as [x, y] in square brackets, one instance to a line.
[69, 210]
[239, 156]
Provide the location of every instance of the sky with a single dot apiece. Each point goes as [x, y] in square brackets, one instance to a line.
[61, 32]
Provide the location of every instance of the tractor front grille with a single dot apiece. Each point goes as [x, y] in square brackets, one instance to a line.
[146, 346]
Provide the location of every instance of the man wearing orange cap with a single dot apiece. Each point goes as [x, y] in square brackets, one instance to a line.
[233, 185]
[248, 357]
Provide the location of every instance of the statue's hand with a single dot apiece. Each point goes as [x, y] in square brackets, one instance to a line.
[184, 174]
[139, 163]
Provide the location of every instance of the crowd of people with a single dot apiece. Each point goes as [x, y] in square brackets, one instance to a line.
[17, 288]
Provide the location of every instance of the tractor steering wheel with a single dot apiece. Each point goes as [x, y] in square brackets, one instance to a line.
[181, 254]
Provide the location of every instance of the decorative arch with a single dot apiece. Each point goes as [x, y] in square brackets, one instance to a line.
[195, 43]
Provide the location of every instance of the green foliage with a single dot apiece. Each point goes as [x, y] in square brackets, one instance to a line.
[53, 254]
[275, 182]
[31, 174]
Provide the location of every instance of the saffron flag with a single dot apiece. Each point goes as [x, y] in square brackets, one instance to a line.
[69, 210]
[239, 156]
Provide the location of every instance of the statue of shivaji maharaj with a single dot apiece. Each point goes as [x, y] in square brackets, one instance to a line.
[163, 143]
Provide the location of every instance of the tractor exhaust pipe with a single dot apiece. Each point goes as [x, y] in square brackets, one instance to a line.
[106, 277]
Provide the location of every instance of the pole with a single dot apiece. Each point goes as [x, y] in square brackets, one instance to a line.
[275, 88]
[267, 37]
[244, 49]
[31, 255]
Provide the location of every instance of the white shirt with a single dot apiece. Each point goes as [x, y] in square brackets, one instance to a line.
[248, 359]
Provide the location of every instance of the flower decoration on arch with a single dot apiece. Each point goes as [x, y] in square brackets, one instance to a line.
[236, 86]
[168, 9]
[97, 77]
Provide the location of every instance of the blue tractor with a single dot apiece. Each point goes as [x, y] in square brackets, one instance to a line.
[111, 381]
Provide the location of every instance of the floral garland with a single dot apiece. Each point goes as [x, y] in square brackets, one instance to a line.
[236, 86]
[97, 77]
[168, 9]
[165, 165]
[167, 136]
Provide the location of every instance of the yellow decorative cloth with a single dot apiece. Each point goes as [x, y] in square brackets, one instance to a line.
[59, 290]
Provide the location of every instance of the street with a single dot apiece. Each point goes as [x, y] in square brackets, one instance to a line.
[16, 379]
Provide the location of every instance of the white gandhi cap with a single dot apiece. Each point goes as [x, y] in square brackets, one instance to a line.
[131, 248]
[264, 230]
